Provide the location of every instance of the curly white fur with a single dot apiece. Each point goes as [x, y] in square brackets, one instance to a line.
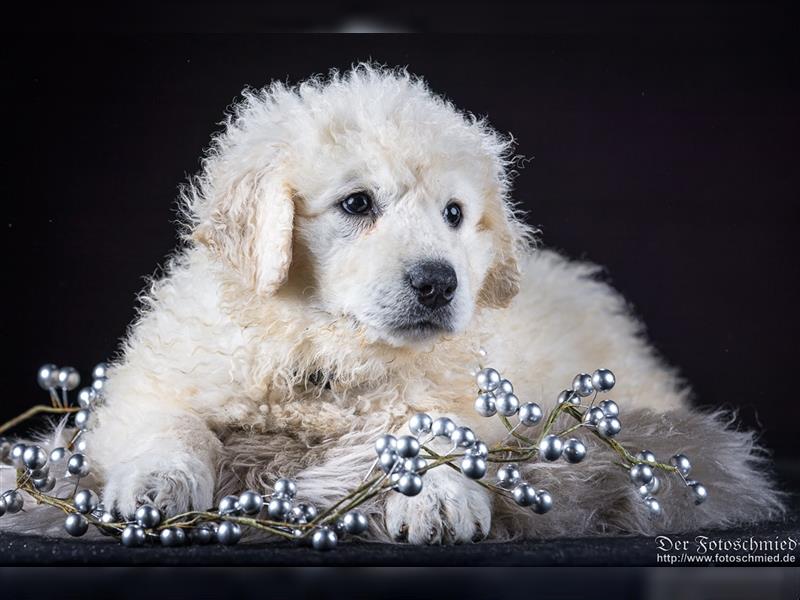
[277, 287]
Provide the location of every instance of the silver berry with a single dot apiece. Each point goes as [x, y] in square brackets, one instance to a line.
[646, 456]
[569, 396]
[682, 463]
[420, 424]
[34, 457]
[409, 484]
[229, 533]
[487, 379]
[202, 535]
[46, 376]
[76, 525]
[544, 502]
[641, 474]
[524, 494]
[603, 380]
[338, 527]
[285, 488]
[385, 442]
[473, 467]
[40, 473]
[100, 371]
[67, 378]
[229, 505]
[388, 460]
[415, 464]
[180, 536]
[507, 404]
[58, 454]
[582, 384]
[80, 443]
[609, 408]
[82, 419]
[699, 492]
[463, 437]
[324, 539]
[650, 489]
[16, 453]
[479, 448]
[133, 536]
[530, 414]
[407, 446]
[14, 501]
[593, 415]
[609, 427]
[508, 476]
[308, 511]
[653, 506]
[302, 513]
[251, 502]
[85, 501]
[574, 450]
[106, 519]
[148, 516]
[278, 509]
[505, 387]
[443, 427]
[45, 485]
[172, 536]
[354, 522]
[99, 386]
[78, 465]
[87, 397]
[550, 447]
[485, 405]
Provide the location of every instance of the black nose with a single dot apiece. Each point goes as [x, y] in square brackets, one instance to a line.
[435, 283]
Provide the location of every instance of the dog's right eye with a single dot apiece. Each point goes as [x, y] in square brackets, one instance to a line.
[357, 204]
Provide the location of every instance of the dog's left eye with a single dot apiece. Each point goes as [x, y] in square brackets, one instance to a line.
[453, 214]
[357, 203]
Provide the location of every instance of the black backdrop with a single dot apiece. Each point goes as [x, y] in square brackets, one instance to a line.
[671, 160]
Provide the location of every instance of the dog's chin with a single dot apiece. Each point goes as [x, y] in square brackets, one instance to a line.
[409, 330]
[421, 331]
[414, 333]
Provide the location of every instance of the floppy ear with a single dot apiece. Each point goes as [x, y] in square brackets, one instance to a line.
[501, 283]
[249, 225]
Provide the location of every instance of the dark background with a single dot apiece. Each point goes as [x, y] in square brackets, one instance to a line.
[663, 145]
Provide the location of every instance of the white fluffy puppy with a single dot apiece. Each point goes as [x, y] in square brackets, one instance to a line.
[350, 244]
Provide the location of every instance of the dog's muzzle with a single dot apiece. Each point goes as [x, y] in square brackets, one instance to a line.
[426, 308]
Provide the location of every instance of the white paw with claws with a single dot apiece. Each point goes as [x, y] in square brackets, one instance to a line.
[172, 489]
[449, 509]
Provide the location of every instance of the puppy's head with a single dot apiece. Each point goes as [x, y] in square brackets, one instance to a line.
[368, 197]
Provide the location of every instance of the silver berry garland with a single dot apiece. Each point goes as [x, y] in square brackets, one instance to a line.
[400, 465]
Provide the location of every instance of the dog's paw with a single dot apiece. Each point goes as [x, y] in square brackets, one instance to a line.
[449, 509]
[172, 490]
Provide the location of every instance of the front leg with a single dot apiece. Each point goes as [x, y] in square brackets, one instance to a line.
[449, 509]
[149, 453]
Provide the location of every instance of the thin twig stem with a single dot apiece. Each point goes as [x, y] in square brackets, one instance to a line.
[32, 412]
